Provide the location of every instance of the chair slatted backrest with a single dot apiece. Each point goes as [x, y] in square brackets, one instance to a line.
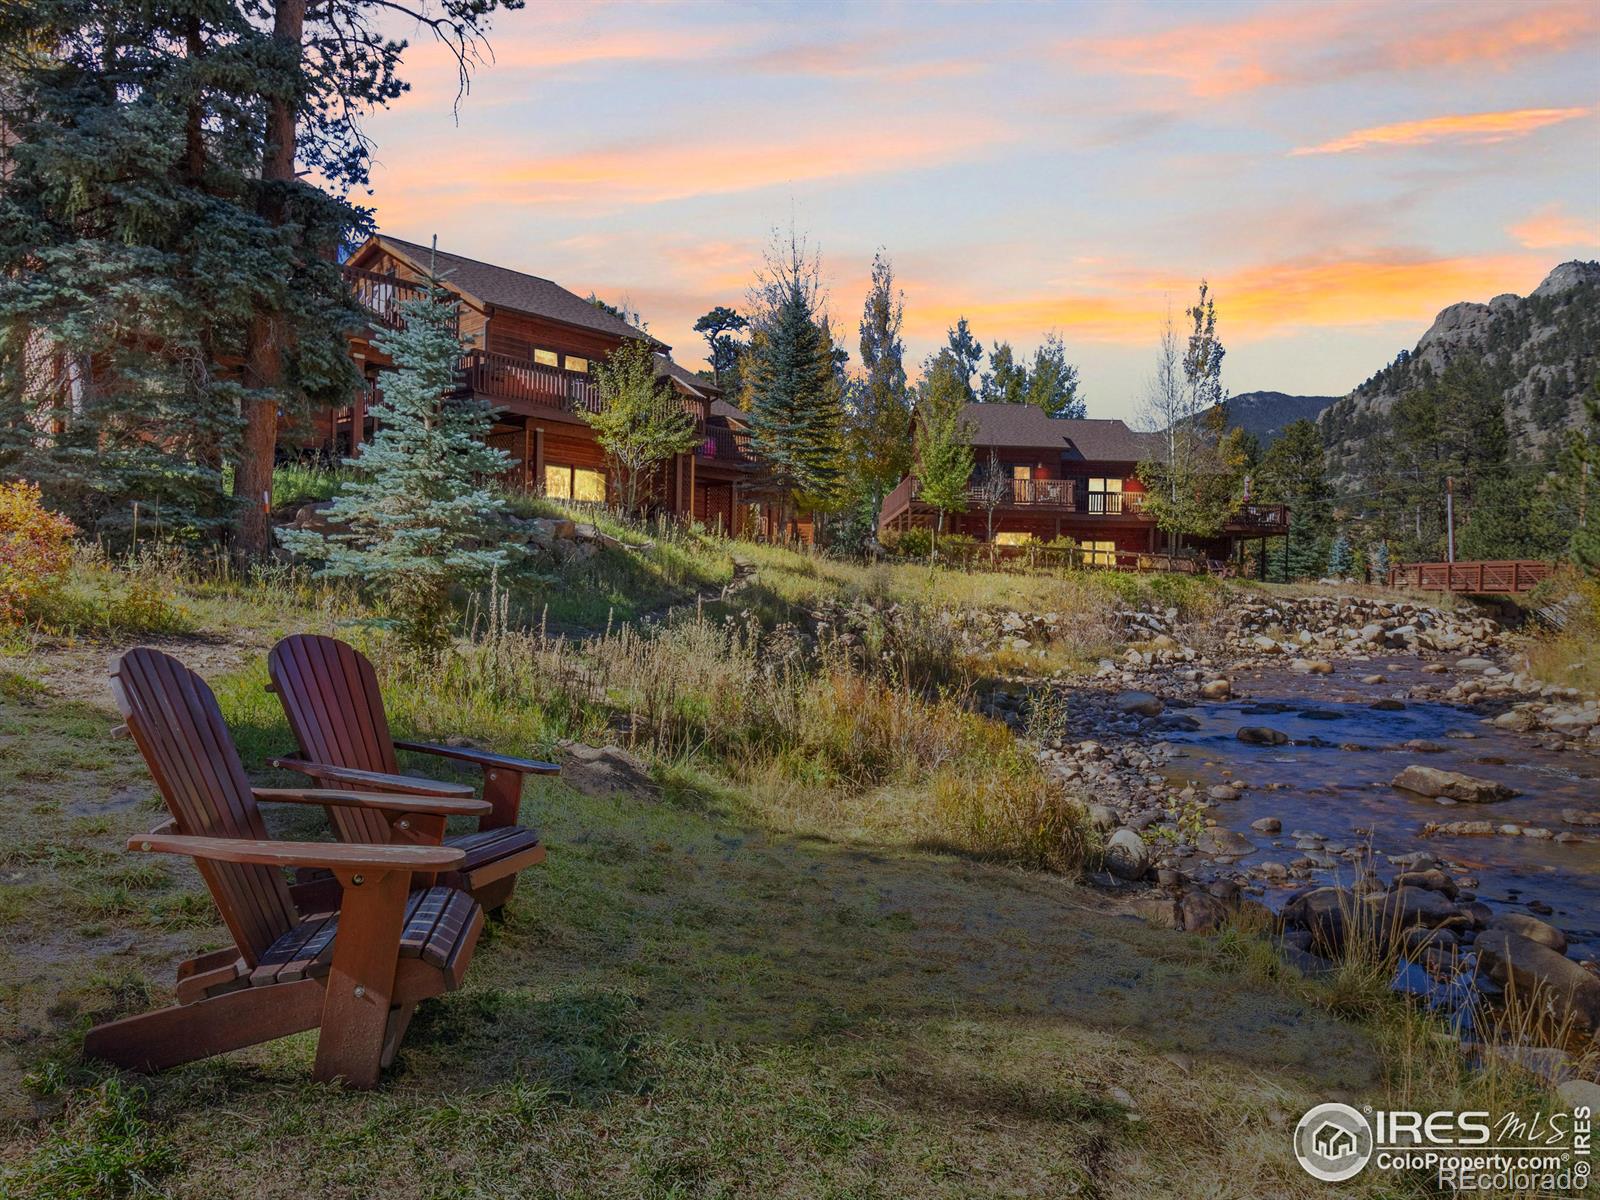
[175, 722]
[330, 694]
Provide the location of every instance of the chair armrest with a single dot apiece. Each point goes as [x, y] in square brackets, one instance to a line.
[440, 806]
[483, 758]
[375, 781]
[332, 856]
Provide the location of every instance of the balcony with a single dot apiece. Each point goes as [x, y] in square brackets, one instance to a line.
[382, 295]
[726, 446]
[517, 381]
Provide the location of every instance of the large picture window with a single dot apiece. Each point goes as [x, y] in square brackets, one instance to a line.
[1105, 495]
[565, 482]
[1098, 554]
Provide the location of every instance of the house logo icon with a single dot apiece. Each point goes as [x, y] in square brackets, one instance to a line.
[1333, 1142]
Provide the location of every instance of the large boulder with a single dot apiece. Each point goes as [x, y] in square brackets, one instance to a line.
[1261, 735]
[1217, 689]
[1452, 785]
[1127, 855]
[1201, 912]
[1324, 911]
[1531, 928]
[1408, 907]
[1556, 983]
[1217, 840]
[1141, 704]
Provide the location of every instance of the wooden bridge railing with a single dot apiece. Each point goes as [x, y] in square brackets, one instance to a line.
[1504, 575]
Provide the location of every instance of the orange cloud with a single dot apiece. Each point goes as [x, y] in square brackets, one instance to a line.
[1474, 127]
[654, 172]
[1305, 43]
[1552, 227]
[1252, 303]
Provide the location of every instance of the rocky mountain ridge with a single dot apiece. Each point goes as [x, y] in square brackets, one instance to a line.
[1266, 413]
[1543, 348]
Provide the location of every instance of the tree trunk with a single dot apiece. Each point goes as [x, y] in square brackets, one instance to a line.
[264, 345]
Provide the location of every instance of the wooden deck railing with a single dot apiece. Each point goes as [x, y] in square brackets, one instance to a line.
[502, 377]
[1485, 578]
[382, 295]
[727, 445]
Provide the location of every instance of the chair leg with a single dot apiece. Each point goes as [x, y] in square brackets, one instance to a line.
[492, 896]
[399, 1019]
[355, 1014]
[503, 790]
[186, 1032]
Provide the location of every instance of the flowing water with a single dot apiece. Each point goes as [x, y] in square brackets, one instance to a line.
[1334, 780]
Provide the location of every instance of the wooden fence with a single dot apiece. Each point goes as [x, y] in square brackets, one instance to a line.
[1503, 576]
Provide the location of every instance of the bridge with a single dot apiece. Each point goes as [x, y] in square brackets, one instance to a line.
[1479, 578]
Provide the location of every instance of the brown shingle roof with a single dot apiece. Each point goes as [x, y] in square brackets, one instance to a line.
[1016, 426]
[685, 378]
[516, 290]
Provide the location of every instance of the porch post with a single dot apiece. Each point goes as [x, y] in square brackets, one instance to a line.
[358, 418]
[538, 458]
[527, 455]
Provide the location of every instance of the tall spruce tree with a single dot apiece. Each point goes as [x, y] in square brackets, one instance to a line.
[420, 519]
[793, 392]
[944, 457]
[1053, 381]
[966, 353]
[1006, 380]
[879, 430]
[1293, 471]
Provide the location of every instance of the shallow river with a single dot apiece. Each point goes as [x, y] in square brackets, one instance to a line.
[1335, 782]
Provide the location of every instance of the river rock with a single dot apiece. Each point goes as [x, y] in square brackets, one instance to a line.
[1453, 785]
[1217, 840]
[1388, 704]
[1475, 666]
[1217, 689]
[1222, 792]
[1261, 735]
[1513, 960]
[1406, 907]
[1127, 855]
[1324, 912]
[1434, 880]
[1142, 704]
[1267, 825]
[1577, 816]
[1311, 666]
[1103, 817]
[1202, 912]
[1531, 928]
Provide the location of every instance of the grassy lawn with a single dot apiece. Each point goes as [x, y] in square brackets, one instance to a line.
[679, 1004]
[782, 971]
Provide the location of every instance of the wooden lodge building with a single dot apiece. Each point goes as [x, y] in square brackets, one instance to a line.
[1073, 479]
[533, 349]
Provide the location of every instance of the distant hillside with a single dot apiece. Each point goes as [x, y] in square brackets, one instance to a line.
[1266, 413]
[1542, 351]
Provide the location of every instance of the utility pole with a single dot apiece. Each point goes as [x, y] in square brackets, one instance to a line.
[1450, 517]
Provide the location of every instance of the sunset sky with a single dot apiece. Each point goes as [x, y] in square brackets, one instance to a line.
[1338, 171]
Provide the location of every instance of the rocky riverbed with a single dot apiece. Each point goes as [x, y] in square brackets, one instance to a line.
[1342, 762]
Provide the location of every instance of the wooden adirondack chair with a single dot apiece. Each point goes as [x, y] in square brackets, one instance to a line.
[356, 974]
[330, 694]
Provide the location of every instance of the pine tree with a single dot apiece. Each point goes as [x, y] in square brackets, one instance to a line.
[879, 431]
[1340, 559]
[718, 327]
[421, 519]
[640, 424]
[1006, 380]
[1053, 382]
[1379, 557]
[793, 392]
[966, 353]
[944, 439]
[1293, 471]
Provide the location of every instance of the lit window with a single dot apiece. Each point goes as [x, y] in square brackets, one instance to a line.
[1008, 537]
[1098, 554]
[557, 481]
[580, 365]
[588, 485]
[547, 358]
[1018, 471]
[1105, 495]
